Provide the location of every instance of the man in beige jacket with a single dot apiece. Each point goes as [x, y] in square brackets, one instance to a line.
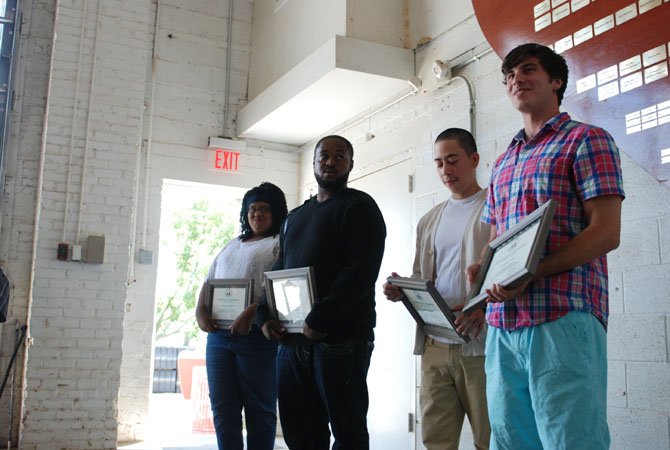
[449, 238]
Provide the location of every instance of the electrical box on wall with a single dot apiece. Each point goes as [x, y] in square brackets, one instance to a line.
[95, 249]
[62, 252]
[76, 252]
[145, 256]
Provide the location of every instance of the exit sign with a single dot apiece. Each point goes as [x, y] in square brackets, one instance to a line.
[225, 154]
[226, 160]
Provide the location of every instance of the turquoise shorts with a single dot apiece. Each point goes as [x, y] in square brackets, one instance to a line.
[547, 385]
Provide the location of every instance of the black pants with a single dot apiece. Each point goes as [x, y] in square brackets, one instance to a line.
[322, 383]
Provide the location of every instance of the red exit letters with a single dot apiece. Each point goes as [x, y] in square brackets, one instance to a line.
[227, 160]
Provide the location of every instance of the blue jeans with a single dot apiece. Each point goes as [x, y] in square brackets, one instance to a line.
[547, 385]
[241, 374]
[322, 383]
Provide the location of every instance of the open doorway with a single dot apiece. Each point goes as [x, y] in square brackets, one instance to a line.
[197, 220]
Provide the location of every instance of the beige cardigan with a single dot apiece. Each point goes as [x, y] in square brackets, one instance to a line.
[475, 238]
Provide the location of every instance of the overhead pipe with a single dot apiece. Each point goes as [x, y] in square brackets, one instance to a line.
[138, 164]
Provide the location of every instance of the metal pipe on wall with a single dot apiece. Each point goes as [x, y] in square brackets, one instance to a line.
[138, 164]
[229, 51]
[75, 109]
[82, 190]
[150, 137]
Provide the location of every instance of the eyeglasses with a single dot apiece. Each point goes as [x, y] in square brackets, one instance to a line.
[262, 210]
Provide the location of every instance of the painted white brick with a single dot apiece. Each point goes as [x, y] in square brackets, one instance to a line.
[635, 429]
[205, 6]
[639, 245]
[486, 123]
[92, 364]
[616, 291]
[637, 338]
[648, 289]
[664, 231]
[645, 197]
[70, 415]
[649, 386]
[209, 23]
[59, 343]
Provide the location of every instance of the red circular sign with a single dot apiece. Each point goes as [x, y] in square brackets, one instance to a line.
[618, 53]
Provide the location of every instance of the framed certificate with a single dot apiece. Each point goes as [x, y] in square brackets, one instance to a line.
[290, 295]
[428, 308]
[227, 298]
[513, 256]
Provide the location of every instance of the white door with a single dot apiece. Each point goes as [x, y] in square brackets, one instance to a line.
[391, 375]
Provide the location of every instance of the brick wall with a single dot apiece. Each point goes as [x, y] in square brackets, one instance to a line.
[76, 323]
[18, 207]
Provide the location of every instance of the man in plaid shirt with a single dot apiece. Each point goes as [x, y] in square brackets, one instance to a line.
[546, 355]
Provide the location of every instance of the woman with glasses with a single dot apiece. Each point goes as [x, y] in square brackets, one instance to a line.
[240, 361]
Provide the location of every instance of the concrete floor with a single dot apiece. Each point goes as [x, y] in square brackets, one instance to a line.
[170, 427]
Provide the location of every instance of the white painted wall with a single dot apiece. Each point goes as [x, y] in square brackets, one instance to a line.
[381, 21]
[283, 38]
[285, 32]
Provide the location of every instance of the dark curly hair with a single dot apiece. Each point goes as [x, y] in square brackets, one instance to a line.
[266, 192]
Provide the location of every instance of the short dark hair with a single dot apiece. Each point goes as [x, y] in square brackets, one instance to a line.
[553, 63]
[275, 197]
[335, 136]
[464, 138]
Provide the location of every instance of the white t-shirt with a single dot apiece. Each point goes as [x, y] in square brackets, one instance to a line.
[246, 260]
[448, 248]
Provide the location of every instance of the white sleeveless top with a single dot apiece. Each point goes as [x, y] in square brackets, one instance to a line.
[246, 260]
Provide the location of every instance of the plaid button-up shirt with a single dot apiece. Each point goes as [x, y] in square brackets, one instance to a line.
[570, 162]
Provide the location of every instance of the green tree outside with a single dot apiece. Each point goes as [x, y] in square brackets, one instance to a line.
[200, 233]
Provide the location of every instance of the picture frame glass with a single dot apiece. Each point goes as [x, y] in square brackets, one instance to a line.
[426, 307]
[292, 299]
[227, 299]
[430, 311]
[290, 294]
[228, 302]
[511, 256]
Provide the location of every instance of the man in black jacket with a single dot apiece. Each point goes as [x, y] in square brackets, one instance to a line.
[340, 232]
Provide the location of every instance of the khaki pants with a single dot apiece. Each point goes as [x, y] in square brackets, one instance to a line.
[452, 385]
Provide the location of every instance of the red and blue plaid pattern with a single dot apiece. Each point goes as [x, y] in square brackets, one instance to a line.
[570, 162]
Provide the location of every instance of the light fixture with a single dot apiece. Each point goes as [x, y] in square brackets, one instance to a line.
[441, 70]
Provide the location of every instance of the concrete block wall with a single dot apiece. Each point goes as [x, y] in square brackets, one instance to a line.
[67, 391]
[638, 337]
